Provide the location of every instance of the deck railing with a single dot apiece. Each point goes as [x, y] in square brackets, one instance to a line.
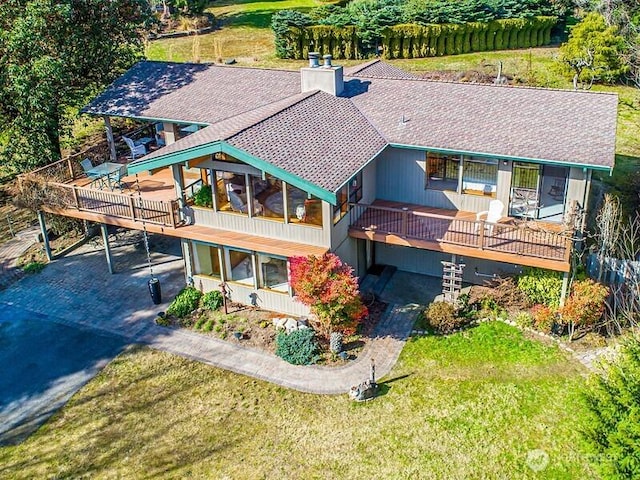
[56, 196]
[431, 227]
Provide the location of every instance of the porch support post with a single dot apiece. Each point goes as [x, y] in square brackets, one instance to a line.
[110, 140]
[171, 133]
[565, 288]
[107, 248]
[188, 261]
[45, 237]
[178, 182]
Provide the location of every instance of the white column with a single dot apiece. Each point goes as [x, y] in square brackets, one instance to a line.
[565, 288]
[171, 133]
[188, 261]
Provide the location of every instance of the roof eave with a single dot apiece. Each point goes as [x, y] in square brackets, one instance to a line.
[223, 147]
[606, 168]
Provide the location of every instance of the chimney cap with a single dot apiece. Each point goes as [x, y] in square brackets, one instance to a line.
[327, 60]
[314, 59]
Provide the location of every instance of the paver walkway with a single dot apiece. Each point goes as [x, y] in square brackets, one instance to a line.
[77, 290]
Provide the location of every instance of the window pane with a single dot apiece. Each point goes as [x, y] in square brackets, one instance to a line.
[267, 197]
[274, 275]
[442, 171]
[480, 176]
[206, 261]
[304, 208]
[241, 267]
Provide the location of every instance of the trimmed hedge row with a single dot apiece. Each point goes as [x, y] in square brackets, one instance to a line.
[416, 41]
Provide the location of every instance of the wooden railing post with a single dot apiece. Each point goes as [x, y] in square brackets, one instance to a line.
[172, 213]
[70, 166]
[132, 208]
[75, 196]
[403, 225]
[481, 236]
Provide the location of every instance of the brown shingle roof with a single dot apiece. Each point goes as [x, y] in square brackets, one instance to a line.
[378, 69]
[534, 123]
[192, 93]
[252, 107]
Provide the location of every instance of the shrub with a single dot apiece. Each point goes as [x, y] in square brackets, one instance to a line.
[185, 302]
[612, 427]
[544, 318]
[33, 267]
[298, 347]
[524, 320]
[203, 197]
[212, 300]
[329, 288]
[541, 286]
[200, 322]
[441, 317]
[163, 321]
[584, 307]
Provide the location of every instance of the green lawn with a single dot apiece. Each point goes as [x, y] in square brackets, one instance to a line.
[471, 405]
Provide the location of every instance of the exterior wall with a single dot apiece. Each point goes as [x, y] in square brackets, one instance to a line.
[577, 186]
[401, 178]
[267, 300]
[259, 226]
[427, 262]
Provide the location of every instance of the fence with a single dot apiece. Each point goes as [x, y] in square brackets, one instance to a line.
[614, 270]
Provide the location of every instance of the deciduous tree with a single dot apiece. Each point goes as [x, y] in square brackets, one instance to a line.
[328, 287]
[54, 55]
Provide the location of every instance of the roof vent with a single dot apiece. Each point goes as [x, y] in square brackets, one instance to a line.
[327, 61]
[314, 59]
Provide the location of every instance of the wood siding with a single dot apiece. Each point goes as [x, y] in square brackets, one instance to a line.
[267, 300]
[401, 178]
[259, 226]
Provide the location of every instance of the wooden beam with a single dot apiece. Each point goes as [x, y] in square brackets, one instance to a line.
[215, 236]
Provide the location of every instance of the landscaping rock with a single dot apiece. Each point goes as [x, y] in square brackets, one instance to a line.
[291, 325]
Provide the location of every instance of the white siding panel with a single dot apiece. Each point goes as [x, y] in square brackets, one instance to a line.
[576, 187]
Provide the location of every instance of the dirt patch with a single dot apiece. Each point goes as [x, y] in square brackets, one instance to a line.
[36, 253]
[252, 327]
[12, 218]
[469, 76]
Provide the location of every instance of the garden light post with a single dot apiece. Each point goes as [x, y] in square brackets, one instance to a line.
[223, 290]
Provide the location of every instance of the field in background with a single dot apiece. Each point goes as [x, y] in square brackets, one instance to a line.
[473, 404]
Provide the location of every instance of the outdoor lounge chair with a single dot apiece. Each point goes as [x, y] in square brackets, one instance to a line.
[492, 216]
[137, 150]
[239, 204]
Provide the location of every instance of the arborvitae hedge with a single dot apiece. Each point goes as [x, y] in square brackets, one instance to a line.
[415, 41]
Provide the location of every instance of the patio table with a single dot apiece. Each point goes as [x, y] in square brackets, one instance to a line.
[105, 173]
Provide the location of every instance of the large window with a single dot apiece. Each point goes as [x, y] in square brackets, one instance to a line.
[207, 260]
[241, 267]
[442, 171]
[273, 273]
[480, 176]
[470, 175]
[351, 192]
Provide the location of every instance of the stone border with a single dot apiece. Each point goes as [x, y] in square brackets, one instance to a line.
[181, 33]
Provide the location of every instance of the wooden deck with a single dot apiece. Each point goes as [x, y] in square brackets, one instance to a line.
[535, 244]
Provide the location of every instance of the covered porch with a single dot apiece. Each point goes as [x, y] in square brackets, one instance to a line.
[530, 243]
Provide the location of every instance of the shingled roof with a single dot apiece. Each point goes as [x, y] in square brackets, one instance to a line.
[378, 69]
[299, 137]
[192, 93]
[325, 139]
[514, 122]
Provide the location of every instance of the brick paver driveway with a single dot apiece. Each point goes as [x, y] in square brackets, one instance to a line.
[60, 327]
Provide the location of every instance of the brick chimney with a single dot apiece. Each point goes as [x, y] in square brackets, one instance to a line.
[327, 77]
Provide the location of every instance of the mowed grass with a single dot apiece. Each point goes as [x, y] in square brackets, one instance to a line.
[467, 406]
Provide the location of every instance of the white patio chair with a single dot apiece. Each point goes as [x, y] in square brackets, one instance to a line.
[239, 204]
[137, 150]
[492, 216]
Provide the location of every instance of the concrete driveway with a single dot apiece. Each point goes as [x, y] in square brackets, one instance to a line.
[60, 327]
